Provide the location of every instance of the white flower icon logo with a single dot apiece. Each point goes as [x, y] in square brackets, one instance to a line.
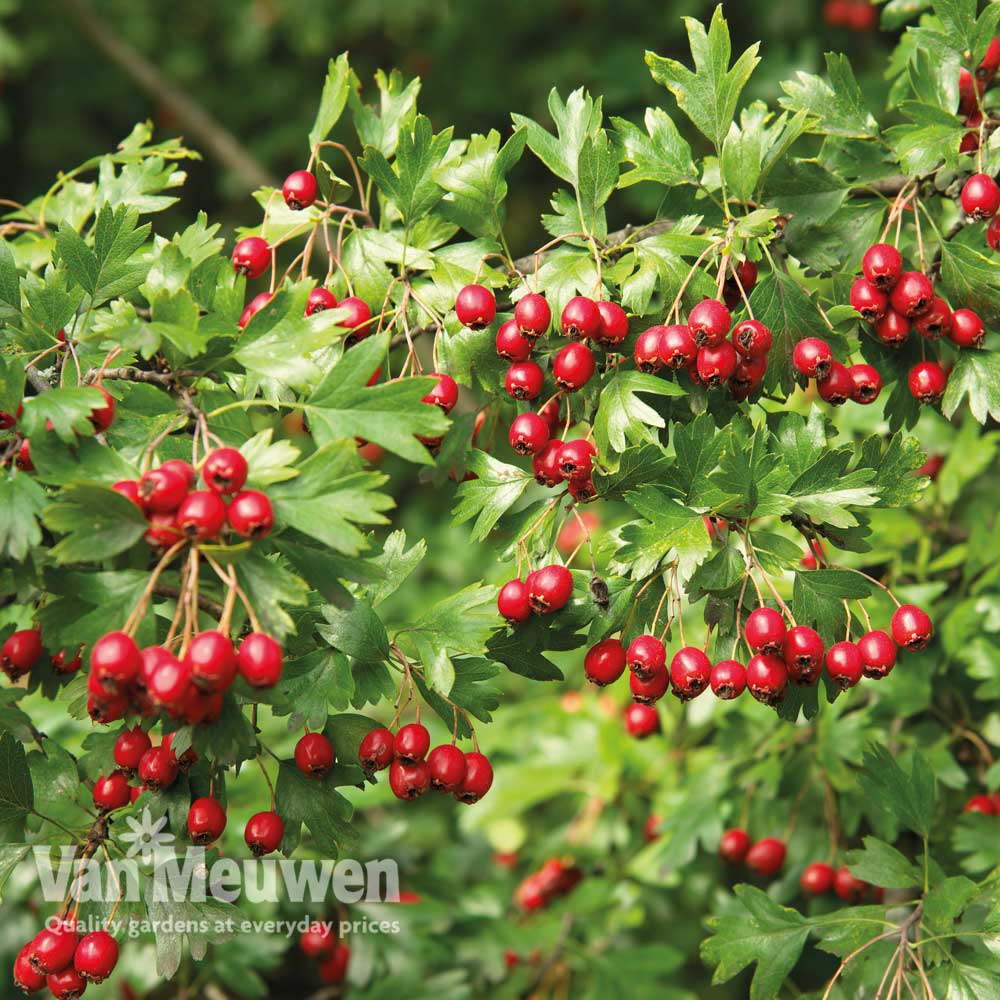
[148, 838]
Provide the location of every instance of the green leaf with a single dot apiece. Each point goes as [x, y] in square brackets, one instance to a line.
[331, 104]
[976, 375]
[835, 108]
[659, 154]
[97, 523]
[943, 905]
[300, 799]
[21, 503]
[396, 563]
[672, 528]
[909, 797]
[931, 137]
[970, 277]
[356, 631]
[10, 284]
[271, 587]
[826, 491]
[622, 417]
[16, 794]
[496, 488]
[66, 409]
[818, 599]
[397, 108]
[881, 864]
[708, 96]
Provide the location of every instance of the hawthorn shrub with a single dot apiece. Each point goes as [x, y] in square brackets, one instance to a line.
[737, 453]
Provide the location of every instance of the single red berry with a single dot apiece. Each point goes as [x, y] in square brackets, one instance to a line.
[357, 318]
[260, 660]
[734, 845]
[748, 377]
[412, 742]
[882, 266]
[314, 755]
[649, 349]
[201, 515]
[912, 294]
[318, 940]
[980, 197]
[766, 857]
[253, 307]
[224, 471]
[115, 660]
[129, 488]
[927, 381]
[250, 514]
[675, 347]
[868, 301]
[604, 662]
[212, 660]
[167, 679]
[475, 307]
[867, 384]
[533, 315]
[581, 318]
[162, 532]
[936, 322]
[512, 601]
[844, 665]
[709, 322]
[802, 652]
[528, 434]
[185, 469]
[849, 888]
[264, 833]
[573, 367]
[650, 688]
[409, 781]
[444, 394]
[911, 627]
[813, 358]
[651, 828]
[576, 459]
[817, 879]
[377, 749]
[7, 420]
[96, 956]
[251, 257]
[716, 364]
[993, 234]
[967, 329]
[582, 490]
[52, 949]
[63, 666]
[746, 273]
[982, 804]
[641, 720]
[893, 329]
[446, 766]
[158, 767]
[549, 588]
[206, 821]
[187, 759]
[838, 387]
[512, 345]
[986, 70]
[545, 464]
[878, 653]
[104, 416]
[767, 678]
[333, 968]
[690, 672]
[300, 190]
[105, 709]
[320, 299]
[20, 652]
[728, 679]
[478, 778]
[130, 745]
[26, 978]
[645, 656]
[66, 985]
[765, 630]
[614, 323]
[524, 380]
[162, 490]
[752, 339]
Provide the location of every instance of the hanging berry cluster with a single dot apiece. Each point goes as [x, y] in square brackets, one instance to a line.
[320, 943]
[65, 962]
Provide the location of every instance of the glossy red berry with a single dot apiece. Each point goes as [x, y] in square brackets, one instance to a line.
[66, 985]
[357, 319]
[651, 687]
[993, 234]
[250, 514]
[446, 766]
[64, 665]
[182, 468]
[320, 299]
[728, 679]
[936, 322]
[224, 471]
[96, 956]
[882, 266]
[641, 720]
[844, 665]
[576, 459]
[104, 416]
[817, 879]
[849, 888]
[264, 833]
[927, 381]
[524, 380]
[318, 940]
[26, 978]
[838, 387]
[158, 767]
[868, 301]
[260, 660]
[300, 190]
[716, 363]
[115, 660]
[967, 329]
[251, 257]
[766, 857]
[645, 656]
[409, 781]
[649, 349]
[614, 323]
[533, 315]
[813, 358]
[604, 662]
[752, 339]
[734, 845]
[475, 307]
[690, 672]
[549, 588]
[162, 490]
[444, 394]
[513, 603]
[878, 653]
[912, 294]
[167, 679]
[675, 346]
[545, 464]
[253, 307]
[377, 749]
[893, 329]
[746, 273]
[162, 532]
[709, 323]
[333, 968]
[573, 367]
[980, 197]
[529, 433]
[201, 515]
[802, 652]
[512, 345]
[130, 745]
[212, 660]
[478, 778]
[767, 678]
[20, 652]
[206, 821]
[867, 384]
[765, 630]
[412, 742]
[982, 804]
[911, 627]
[52, 949]
[582, 490]
[314, 755]
[581, 318]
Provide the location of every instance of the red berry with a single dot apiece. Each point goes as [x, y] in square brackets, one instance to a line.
[878, 653]
[251, 257]
[253, 307]
[186, 469]
[649, 349]
[709, 323]
[817, 879]
[511, 343]
[604, 662]
[377, 750]
[582, 490]
[318, 940]
[104, 416]
[533, 315]
[250, 514]
[813, 358]
[581, 318]
[728, 679]
[20, 652]
[690, 672]
[320, 300]
[766, 857]
[980, 197]
[746, 272]
[333, 969]
[651, 687]
[765, 630]
[299, 190]
[212, 660]
[867, 384]
[167, 678]
[446, 766]
[717, 363]
[967, 329]
[912, 294]
[645, 656]
[524, 380]
[614, 323]
[843, 664]
[641, 720]
[545, 464]
[838, 387]
[528, 434]
[162, 490]
[129, 488]
[409, 781]
[475, 307]
[802, 652]
[162, 532]
[512, 601]
[911, 627]
[66, 985]
[734, 845]
[478, 778]
[356, 319]
[748, 377]
[206, 821]
[573, 367]
[115, 660]
[752, 339]
[993, 234]
[96, 956]
[849, 888]
[63, 666]
[882, 266]
[868, 301]
[130, 746]
[158, 767]
[893, 329]
[767, 678]
[264, 833]
[675, 346]
[444, 394]
[927, 382]
[412, 742]
[52, 949]
[576, 459]
[549, 588]
[982, 804]
[26, 978]
[259, 660]
[224, 471]
[314, 755]
[201, 515]
[936, 322]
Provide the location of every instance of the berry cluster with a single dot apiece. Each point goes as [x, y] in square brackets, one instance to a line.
[764, 857]
[971, 88]
[542, 592]
[414, 767]
[320, 943]
[59, 958]
[554, 879]
[819, 878]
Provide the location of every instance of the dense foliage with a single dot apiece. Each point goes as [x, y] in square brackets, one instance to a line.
[746, 445]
